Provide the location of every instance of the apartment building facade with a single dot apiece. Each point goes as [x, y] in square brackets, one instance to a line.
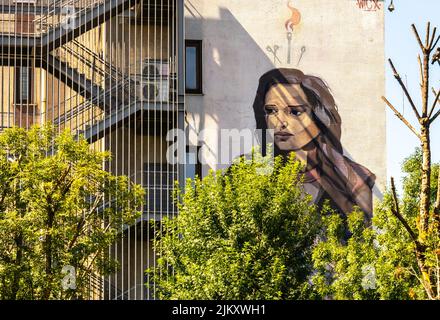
[338, 41]
[125, 73]
[110, 70]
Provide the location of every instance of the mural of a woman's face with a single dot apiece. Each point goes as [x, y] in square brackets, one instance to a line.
[289, 114]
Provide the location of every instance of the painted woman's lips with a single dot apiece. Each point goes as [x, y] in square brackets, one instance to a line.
[283, 134]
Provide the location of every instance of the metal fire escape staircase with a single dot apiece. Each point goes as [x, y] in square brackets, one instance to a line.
[105, 96]
[108, 90]
[57, 30]
[112, 96]
[108, 96]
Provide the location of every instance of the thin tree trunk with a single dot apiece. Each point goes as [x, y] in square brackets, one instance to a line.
[425, 199]
[426, 280]
[17, 273]
[426, 219]
[425, 191]
[48, 255]
[437, 206]
[15, 288]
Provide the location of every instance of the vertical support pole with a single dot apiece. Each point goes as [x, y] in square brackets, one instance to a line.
[181, 147]
[180, 49]
[181, 88]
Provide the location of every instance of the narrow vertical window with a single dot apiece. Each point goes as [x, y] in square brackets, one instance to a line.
[23, 85]
[193, 66]
[193, 167]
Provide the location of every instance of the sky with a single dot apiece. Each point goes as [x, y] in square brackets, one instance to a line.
[402, 47]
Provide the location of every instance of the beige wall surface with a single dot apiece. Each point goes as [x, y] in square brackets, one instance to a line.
[130, 152]
[12, 114]
[342, 43]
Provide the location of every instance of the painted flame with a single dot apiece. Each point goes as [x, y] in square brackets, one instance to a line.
[294, 19]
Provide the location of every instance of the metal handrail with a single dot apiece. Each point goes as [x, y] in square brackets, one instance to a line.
[127, 84]
[81, 4]
[93, 65]
[98, 57]
[5, 117]
[82, 59]
[87, 106]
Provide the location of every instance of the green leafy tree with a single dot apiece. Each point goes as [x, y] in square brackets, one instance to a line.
[379, 261]
[246, 234]
[57, 214]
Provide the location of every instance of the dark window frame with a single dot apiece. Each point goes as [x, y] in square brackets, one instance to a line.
[18, 87]
[198, 164]
[199, 81]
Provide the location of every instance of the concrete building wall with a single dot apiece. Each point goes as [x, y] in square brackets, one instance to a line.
[124, 41]
[340, 42]
[131, 152]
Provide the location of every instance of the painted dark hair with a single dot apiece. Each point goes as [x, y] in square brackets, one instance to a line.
[325, 113]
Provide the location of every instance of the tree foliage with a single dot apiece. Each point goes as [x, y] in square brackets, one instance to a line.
[378, 261]
[246, 234]
[57, 210]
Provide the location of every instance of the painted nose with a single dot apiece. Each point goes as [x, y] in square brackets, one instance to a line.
[283, 121]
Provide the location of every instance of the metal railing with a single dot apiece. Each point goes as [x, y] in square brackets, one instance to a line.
[87, 113]
[115, 85]
[58, 12]
[7, 120]
[108, 66]
[69, 9]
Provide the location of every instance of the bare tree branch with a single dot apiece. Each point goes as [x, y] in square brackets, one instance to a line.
[423, 283]
[434, 117]
[432, 39]
[399, 79]
[421, 69]
[437, 96]
[402, 118]
[419, 248]
[425, 118]
[82, 221]
[418, 37]
[437, 205]
[396, 212]
[436, 41]
[89, 267]
[428, 30]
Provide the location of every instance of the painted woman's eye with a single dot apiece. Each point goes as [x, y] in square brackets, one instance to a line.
[270, 110]
[296, 111]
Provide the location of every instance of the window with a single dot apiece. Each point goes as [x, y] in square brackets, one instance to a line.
[193, 166]
[23, 85]
[159, 180]
[193, 66]
[24, 22]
